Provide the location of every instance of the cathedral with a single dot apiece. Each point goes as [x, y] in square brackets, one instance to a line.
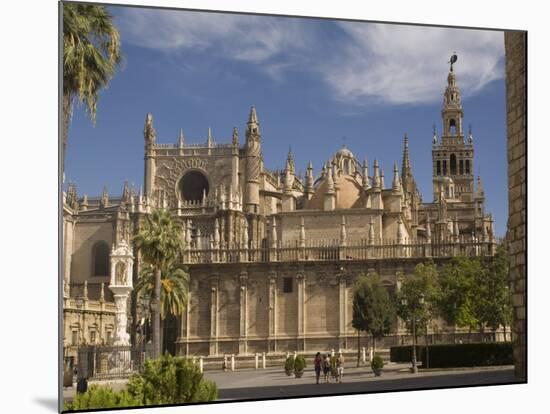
[272, 256]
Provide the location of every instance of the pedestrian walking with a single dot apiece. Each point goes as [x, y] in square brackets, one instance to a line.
[317, 364]
[326, 368]
[340, 367]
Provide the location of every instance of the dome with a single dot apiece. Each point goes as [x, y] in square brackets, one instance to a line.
[344, 152]
[350, 194]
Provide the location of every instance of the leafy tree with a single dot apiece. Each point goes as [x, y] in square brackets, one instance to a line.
[457, 302]
[160, 244]
[174, 289]
[170, 380]
[419, 296]
[494, 301]
[373, 311]
[91, 54]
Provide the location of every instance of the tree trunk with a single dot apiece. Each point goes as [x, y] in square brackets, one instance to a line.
[155, 305]
[358, 347]
[67, 110]
[427, 349]
[373, 345]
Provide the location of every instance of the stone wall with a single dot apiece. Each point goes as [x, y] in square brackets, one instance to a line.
[86, 235]
[516, 101]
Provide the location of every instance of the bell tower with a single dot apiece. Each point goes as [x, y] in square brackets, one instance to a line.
[452, 157]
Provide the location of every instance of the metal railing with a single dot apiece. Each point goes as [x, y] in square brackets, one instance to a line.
[111, 362]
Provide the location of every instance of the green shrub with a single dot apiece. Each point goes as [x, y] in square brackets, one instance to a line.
[299, 363]
[169, 380]
[101, 396]
[377, 362]
[289, 364]
[457, 355]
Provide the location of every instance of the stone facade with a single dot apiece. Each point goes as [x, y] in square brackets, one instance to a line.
[516, 99]
[272, 255]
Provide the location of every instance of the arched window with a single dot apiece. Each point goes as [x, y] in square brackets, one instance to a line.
[100, 259]
[467, 166]
[444, 167]
[453, 164]
[461, 167]
[438, 167]
[452, 126]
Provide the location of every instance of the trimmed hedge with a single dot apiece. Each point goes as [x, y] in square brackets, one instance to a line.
[457, 355]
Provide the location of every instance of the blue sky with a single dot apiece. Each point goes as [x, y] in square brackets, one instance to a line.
[313, 83]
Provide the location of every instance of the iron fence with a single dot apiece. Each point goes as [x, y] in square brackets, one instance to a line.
[111, 362]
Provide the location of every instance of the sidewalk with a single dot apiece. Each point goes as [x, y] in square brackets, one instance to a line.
[274, 383]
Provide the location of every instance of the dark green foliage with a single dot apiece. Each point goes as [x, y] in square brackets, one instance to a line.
[289, 364]
[299, 363]
[459, 280]
[372, 309]
[494, 300]
[377, 362]
[458, 355]
[169, 380]
[99, 396]
[418, 297]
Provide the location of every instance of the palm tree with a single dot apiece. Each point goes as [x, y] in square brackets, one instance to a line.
[160, 244]
[174, 289]
[91, 53]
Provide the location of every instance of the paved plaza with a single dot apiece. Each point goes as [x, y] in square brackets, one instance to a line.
[274, 383]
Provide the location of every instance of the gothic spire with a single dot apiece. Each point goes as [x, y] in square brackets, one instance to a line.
[181, 141]
[376, 177]
[365, 181]
[396, 184]
[105, 197]
[209, 138]
[125, 192]
[253, 126]
[406, 163]
[480, 192]
[235, 139]
[290, 161]
[149, 132]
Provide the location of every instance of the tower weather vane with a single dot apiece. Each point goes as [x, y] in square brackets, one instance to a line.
[453, 59]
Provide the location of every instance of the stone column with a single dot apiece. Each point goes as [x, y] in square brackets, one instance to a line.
[68, 226]
[243, 309]
[214, 285]
[272, 312]
[183, 339]
[342, 311]
[301, 282]
[122, 261]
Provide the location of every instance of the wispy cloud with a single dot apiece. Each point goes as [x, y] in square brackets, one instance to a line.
[406, 64]
[361, 63]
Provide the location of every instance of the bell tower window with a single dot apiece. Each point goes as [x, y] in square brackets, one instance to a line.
[467, 166]
[438, 167]
[453, 164]
[444, 167]
[452, 126]
[461, 167]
